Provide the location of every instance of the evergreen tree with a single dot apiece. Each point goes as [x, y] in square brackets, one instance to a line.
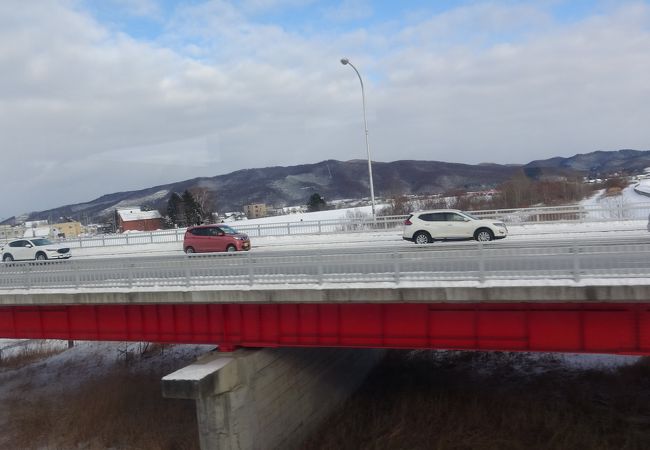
[193, 212]
[316, 203]
[175, 210]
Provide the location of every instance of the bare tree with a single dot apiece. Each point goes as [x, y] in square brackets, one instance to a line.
[206, 199]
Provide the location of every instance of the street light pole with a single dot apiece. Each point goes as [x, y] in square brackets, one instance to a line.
[346, 61]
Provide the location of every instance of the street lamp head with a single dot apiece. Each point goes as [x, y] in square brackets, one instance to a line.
[344, 61]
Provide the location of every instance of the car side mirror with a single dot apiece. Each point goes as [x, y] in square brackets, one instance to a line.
[28, 245]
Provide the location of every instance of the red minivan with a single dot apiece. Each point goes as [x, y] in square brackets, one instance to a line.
[214, 238]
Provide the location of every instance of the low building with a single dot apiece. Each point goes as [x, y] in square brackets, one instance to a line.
[255, 210]
[37, 232]
[232, 216]
[65, 230]
[134, 219]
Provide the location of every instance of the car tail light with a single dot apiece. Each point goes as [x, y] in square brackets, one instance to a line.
[408, 222]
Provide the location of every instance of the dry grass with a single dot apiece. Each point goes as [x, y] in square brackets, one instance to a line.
[428, 400]
[28, 355]
[121, 409]
[413, 400]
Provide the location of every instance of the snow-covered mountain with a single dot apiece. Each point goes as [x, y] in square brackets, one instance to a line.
[284, 186]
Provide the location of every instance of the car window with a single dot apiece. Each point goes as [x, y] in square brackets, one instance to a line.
[201, 232]
[18, 244]
[432, 217]
[226, 229]
[454, 217]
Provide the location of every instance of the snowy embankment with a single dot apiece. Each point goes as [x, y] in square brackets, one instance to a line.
[643, 188]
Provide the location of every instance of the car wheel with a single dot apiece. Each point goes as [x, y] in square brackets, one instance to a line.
[7, 258]
[189, 250]
[483, 235]
[231, 248]
[422, 237]
[41, 256]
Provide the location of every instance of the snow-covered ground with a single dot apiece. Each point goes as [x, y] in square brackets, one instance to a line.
[617, 204]
[643, 188]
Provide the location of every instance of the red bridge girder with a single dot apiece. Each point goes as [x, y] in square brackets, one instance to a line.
[542, 327]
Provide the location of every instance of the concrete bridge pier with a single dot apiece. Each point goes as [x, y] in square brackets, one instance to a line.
[268, 398]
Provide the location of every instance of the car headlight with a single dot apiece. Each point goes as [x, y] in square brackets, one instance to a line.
[499, 224]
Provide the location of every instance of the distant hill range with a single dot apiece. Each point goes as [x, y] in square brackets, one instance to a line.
[287, 186]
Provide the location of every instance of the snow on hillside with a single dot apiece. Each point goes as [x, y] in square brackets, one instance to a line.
[131, 202]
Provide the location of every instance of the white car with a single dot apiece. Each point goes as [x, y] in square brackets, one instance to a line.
[33, 248]
[424, 227]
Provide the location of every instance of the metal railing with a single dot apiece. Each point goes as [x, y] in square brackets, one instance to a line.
[557, 214]
[476, 262]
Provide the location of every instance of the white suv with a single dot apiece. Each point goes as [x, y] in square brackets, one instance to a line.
[423, 227]
[33, 248]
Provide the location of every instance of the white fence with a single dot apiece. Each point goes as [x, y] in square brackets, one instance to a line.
[476, 262]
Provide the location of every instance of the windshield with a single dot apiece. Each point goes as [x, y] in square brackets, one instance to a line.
[40, 242]
[226, 229]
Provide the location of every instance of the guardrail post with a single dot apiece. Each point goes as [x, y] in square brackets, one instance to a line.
[251, 270]
[29, 276]
[127, 238]
[319, 228]
[319, 267]
[188, 274]
[481, 263]
[576, 261]
[80, 242]
[288, 228]
[77, 276]
[396, 266]
[151, 236]
[259, 230]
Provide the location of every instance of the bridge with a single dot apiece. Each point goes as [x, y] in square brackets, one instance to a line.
[565, 295]
[558, 295]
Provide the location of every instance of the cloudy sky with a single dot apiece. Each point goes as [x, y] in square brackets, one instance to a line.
[104, 96]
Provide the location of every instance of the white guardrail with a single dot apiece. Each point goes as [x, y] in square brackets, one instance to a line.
[557, 214]
[472, 262]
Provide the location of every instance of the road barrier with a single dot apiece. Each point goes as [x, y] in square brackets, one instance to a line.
[475, 262]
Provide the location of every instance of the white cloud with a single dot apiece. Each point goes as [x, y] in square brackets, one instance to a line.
[86, 111]
[350, 10]
[145, 8]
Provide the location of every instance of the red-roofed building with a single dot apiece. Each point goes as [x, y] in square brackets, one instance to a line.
[134, 219]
